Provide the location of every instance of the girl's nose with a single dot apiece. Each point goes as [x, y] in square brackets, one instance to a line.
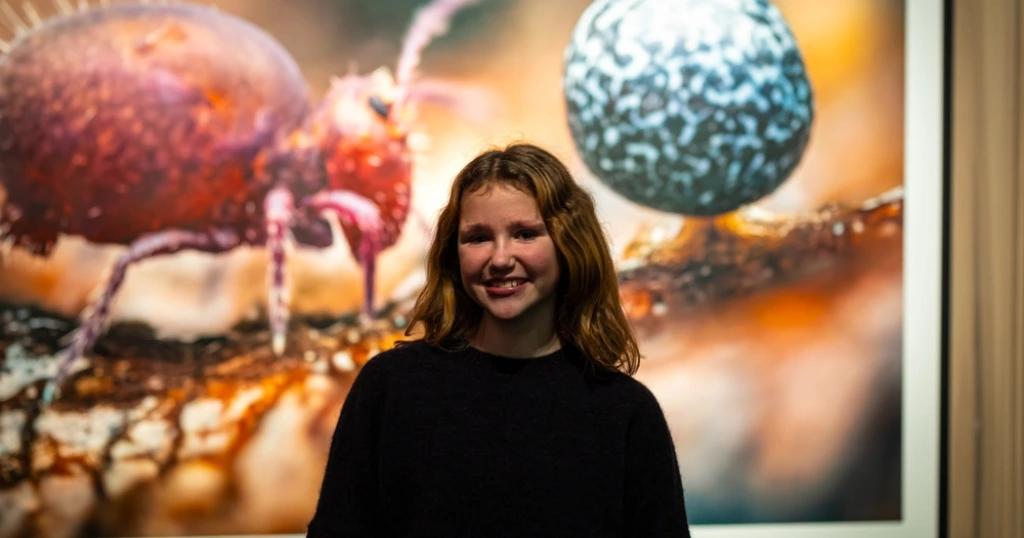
[502, 257]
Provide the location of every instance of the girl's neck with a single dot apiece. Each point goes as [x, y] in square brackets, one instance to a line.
[508, 340]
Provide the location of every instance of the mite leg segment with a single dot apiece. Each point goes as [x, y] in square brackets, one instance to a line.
[279, 208]
[353, 209]
[95, 317]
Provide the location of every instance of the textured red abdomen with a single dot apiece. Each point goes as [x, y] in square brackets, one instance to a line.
[126, 120]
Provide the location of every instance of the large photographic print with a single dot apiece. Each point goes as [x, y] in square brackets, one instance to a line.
[191, 277]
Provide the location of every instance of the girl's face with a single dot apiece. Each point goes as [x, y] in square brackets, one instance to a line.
[507, 259]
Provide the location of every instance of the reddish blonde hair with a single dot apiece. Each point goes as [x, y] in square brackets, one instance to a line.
[588, 315]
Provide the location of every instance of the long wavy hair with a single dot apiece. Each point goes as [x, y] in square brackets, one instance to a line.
[589, 314]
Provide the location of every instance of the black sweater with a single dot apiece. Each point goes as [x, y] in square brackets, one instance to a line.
[469, 444]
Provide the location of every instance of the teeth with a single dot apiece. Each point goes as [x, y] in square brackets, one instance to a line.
[506, 284]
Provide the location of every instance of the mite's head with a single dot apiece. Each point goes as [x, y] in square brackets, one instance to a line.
[362, 109]
[358, 135]
[379, 105]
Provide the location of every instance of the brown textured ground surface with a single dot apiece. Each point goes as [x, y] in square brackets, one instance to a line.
[159, 437]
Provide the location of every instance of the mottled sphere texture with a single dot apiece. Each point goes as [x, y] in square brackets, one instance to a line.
[688, 106]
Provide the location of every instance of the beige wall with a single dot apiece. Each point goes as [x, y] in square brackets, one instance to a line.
[986, 371]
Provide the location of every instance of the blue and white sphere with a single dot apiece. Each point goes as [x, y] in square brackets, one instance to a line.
[690, 106]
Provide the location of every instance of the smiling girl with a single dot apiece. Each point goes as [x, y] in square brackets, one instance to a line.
[515, 414]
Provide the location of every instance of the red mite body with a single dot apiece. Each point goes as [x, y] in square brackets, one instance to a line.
[115, 122]
[174, 127]
[123, 121]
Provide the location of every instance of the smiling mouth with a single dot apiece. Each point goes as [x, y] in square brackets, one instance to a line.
[505, 284]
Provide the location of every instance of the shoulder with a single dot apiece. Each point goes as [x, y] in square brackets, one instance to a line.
[634, 393]
[406, 356]
[647, 421]
[625, 390]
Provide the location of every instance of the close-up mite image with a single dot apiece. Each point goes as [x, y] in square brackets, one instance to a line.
[214, 214]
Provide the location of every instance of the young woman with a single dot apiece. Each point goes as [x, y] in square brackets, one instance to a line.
[515, 414]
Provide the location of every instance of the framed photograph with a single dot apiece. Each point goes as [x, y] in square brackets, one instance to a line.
[184, 300]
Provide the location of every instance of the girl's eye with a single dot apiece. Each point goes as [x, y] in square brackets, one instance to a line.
[473, 239]
[527, 234]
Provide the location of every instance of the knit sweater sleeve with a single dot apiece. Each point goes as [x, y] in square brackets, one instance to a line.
[348, 496]
[654, 504]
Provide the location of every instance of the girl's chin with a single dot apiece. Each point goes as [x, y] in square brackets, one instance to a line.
[504, 314]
